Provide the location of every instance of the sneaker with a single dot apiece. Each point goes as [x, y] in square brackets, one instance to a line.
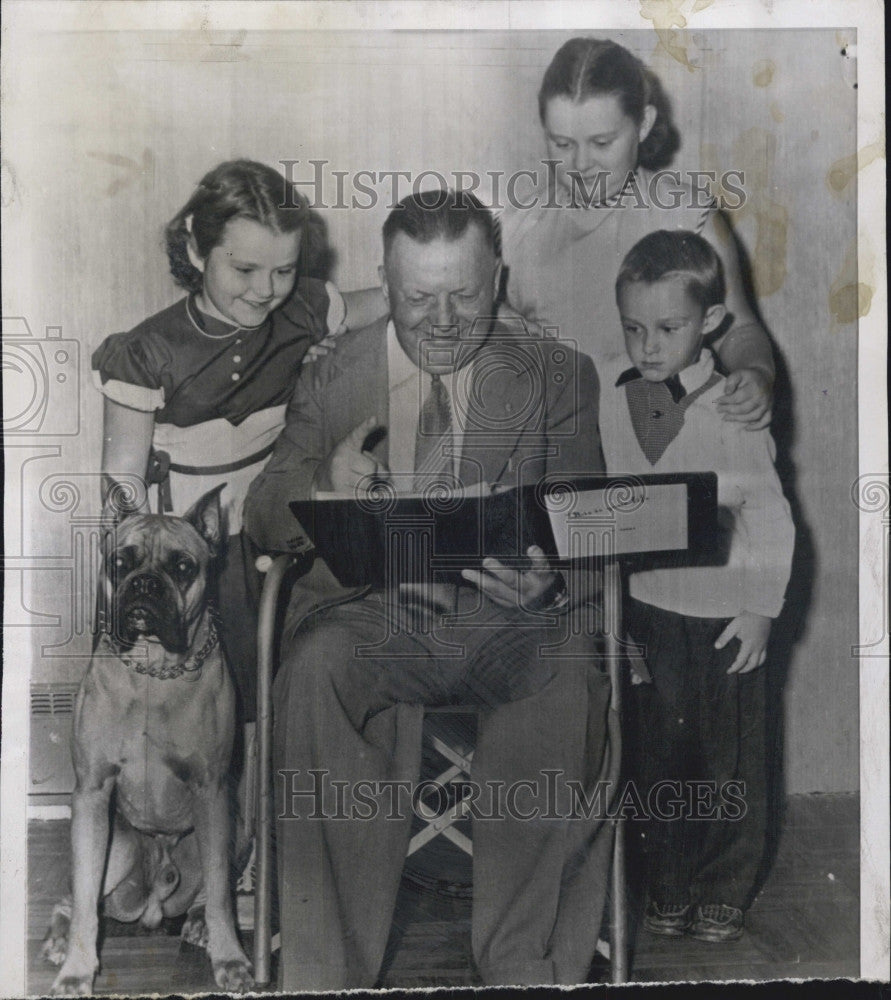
[717, 923]
[667, 919]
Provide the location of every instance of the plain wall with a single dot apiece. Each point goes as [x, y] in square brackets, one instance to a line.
[113, 130]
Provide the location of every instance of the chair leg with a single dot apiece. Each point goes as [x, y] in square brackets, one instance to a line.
[618, 954]
[612, 595]
[275, 571]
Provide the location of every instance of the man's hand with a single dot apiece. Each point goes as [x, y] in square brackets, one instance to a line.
[347, 464]
[512, 588]
[752, 631]
[747, 398]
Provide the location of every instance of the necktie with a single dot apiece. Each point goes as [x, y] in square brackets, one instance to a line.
[434, 435]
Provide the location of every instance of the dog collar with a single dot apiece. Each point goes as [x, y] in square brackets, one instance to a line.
[190, 665]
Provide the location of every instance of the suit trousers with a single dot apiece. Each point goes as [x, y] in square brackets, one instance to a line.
[349, 702]
[703, 742]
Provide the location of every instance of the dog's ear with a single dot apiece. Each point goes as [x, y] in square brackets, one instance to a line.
[206, 517]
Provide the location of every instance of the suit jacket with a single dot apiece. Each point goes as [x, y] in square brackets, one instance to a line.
[533, 413]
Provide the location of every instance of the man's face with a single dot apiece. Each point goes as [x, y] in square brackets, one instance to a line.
[435, 291]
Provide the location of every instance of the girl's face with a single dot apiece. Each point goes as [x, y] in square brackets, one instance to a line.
[594, 140]
[248, 274]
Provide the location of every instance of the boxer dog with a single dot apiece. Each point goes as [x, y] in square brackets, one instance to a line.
[154, 723]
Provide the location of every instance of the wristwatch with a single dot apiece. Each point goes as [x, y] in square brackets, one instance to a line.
[556, 597]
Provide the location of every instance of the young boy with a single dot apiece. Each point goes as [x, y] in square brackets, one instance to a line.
[704, 628]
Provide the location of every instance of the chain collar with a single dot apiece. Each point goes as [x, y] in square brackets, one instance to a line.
[190, 665]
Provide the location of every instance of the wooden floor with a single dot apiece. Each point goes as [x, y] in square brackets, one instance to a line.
[804, 923]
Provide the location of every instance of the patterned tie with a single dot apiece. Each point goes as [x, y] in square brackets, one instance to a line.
[434, 435]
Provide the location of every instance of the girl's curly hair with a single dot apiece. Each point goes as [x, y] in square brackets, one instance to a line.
[234, 189]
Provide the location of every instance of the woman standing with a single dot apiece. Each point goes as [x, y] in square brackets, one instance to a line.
[607, 129]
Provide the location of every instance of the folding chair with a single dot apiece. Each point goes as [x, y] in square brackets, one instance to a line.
[460, 762]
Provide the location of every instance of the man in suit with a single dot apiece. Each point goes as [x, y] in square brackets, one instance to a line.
[437, 390]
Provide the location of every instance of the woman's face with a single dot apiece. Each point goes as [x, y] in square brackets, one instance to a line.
[595, 142]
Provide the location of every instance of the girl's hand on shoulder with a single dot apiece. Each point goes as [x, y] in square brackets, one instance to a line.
[747, 398]
[752, 631]
[324, 346]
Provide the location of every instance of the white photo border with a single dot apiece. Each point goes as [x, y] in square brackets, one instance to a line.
[23, 17]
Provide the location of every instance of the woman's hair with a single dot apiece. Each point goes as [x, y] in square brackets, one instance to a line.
[593, 67]
[236, 189]
[676, 253]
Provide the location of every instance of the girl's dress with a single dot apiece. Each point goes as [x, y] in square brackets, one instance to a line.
[218, 393]
[563, 261]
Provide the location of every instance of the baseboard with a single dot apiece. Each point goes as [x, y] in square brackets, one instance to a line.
[46, 811]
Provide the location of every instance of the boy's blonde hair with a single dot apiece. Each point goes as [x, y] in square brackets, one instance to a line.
[676, 253]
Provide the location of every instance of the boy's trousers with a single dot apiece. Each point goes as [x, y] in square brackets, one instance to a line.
[703, 735]
[353, 714]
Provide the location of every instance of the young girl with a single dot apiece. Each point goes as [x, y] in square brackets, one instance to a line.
[195, 395]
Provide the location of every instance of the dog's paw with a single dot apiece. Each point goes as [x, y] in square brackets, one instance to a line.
[234, 975]
[74, 980]
[195, 928]
[72, 986]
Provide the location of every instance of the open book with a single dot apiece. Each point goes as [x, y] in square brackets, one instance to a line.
[381, 536]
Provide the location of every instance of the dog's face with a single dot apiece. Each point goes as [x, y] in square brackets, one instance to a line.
[155, 574]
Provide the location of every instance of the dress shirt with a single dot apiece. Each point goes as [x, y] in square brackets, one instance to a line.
[408, 388]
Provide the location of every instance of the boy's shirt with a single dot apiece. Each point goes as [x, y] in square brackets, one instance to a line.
[675, 426]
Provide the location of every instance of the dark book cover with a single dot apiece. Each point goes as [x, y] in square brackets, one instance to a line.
[382, 537]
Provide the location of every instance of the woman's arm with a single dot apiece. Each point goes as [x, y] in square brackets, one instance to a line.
[127, 440]
[744, 350]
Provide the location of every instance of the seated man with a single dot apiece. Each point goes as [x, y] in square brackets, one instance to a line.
[359, 666]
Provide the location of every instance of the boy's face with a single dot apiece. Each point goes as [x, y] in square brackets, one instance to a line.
[664, 326]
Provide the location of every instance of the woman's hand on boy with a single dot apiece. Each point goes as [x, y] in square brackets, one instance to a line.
[747, 398]
[752, 631]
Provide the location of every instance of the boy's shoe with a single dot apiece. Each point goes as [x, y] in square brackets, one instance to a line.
[667, 919]
[717, 923]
